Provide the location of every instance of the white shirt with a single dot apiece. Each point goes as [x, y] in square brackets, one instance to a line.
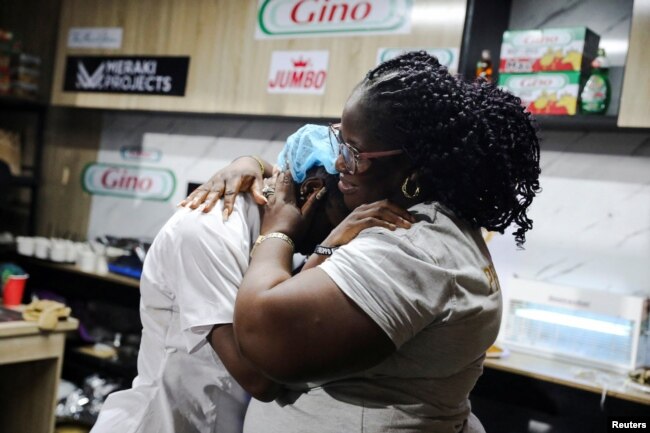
[432, 290]
[189, 282]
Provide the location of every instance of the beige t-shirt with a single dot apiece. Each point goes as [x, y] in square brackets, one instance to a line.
[433, 290]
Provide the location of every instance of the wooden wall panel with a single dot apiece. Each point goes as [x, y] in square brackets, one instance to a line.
[71, 141]
[635, 98]
[228, 66]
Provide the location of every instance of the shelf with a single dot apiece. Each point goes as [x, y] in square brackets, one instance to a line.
[124, 366]
[584, 122]
[578, 122]
[563, 373]
[19, 181]
[72, 269]
[112, 278]
[16, 103]
[15, 208]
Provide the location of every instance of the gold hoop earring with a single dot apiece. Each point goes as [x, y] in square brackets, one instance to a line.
[405, 192]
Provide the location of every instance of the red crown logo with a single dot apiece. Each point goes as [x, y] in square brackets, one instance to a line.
[300, 63]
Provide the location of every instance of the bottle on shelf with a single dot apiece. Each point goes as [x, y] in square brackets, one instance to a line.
[596, 94]
[484, 66]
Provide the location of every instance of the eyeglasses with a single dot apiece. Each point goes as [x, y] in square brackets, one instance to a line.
[355, 161]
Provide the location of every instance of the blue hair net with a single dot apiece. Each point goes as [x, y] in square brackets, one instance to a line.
[307, 148]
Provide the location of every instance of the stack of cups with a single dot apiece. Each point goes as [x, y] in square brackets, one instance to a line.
[89, 258]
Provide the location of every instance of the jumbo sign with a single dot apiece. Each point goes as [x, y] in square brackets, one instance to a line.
[128, 181]
[305, 18]
[300, 72]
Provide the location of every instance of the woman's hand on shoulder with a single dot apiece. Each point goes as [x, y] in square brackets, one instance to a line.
[381, 213]
[241, 175]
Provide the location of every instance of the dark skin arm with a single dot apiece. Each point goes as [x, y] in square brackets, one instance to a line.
[222, 340]
[243, 174]
[382, 214]
[378, 214]
[303, 327]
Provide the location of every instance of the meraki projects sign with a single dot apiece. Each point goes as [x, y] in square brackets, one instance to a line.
[127, 74]
[309, 18]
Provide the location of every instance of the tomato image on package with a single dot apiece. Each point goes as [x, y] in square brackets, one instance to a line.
[567, 49]
[547, 94]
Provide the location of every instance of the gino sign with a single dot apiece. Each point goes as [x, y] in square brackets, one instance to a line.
[308, 18]
[128, 181]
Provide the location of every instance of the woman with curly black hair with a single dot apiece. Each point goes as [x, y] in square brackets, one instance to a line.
[386, 328]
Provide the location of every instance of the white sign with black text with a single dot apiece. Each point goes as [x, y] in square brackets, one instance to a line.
[143, 75]
[95, 37]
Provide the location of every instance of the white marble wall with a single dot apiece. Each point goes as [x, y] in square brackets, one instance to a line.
[591, 222]
[592, 219]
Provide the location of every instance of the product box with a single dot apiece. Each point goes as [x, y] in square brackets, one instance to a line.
[561, 49]
[10, 150]
[553, 93]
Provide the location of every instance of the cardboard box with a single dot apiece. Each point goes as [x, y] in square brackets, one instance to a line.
[10, 150]
[553, 93]
[562, 49]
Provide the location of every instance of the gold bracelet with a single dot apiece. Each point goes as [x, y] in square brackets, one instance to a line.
[277, 235]
[259, 161]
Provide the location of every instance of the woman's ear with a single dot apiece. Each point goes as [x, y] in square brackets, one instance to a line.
[310, 185]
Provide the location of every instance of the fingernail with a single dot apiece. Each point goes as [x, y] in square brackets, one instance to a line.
[321, 193]
[225, 214]
[406, 222]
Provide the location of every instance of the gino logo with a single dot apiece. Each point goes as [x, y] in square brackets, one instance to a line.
[542, 38]
[537, 82]
[278, 18]
[128, 181]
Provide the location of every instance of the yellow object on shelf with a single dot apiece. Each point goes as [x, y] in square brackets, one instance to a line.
[496, 351]
[46, 313]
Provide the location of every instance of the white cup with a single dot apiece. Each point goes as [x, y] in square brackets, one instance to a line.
[86, 261]
[41, 248]
[58, 250]
[101, 265]
[70, 251]
[25, 245]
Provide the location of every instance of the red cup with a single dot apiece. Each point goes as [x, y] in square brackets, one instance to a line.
[14, 288]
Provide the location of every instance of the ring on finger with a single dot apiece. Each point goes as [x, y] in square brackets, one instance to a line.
[267, 191]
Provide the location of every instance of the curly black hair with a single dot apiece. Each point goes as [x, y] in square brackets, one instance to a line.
[474, 146]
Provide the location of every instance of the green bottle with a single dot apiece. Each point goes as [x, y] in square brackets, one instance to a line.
[595, 96]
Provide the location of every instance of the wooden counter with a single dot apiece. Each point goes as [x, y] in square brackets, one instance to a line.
[569, 374]
[30, 367]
